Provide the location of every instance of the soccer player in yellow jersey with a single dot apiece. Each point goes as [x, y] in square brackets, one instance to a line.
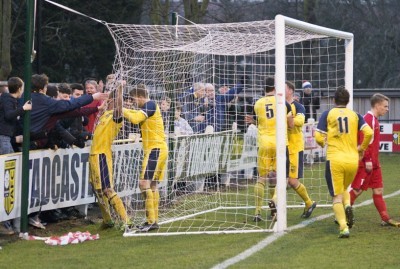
[155, 148]
[338, 129]
[296, 148]
[100, 160]
[265, 111]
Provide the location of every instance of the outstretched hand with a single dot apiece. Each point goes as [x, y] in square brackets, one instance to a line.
[100, 86]
[100, 96]
[368, 167]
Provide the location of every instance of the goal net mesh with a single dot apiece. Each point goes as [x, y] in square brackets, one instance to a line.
[209, 183]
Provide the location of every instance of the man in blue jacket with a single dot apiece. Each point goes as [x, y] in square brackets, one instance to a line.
[218, 105]
[43, 106]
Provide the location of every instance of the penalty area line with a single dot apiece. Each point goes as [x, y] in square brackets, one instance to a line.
[272, 238]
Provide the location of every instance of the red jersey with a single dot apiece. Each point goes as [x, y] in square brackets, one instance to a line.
[92, 117]
[372, 152]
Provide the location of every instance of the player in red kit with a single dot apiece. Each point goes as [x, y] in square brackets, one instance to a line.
[369, 174]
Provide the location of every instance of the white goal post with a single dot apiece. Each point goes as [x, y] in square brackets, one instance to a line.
[281, 24]
[209, 187]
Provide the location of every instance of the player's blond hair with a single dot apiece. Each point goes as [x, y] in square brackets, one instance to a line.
[378, 98]
[139, 91]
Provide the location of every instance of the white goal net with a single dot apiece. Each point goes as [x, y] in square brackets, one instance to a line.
[209, 183]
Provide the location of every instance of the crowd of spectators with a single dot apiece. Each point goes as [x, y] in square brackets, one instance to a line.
[64, 115]
[55, 121]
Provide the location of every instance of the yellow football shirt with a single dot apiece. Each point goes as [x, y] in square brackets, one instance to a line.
[104, 133]
[295, 134]
[340, 126]
[151, 125]
[265, 110]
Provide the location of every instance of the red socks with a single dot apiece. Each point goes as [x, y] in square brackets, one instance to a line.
[353, 197]
[381, 206]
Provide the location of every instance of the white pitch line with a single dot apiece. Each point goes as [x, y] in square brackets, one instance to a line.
[272, 238]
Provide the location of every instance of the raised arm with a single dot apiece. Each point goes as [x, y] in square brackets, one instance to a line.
[134, 116]
[230, 95]
[118, 103]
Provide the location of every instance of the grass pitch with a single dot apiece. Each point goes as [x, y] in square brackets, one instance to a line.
[314, 246]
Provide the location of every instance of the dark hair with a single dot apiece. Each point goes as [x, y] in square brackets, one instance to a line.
[77, 86]
[342, 96]
[178, 106]
[269, 84]
[290, 85]
[139, 91]
[166, 99]
[64, 88]
[378, 98]
[52, 91]
[14, 84]
[39, 82]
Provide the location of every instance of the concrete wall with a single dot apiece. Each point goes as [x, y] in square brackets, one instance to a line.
[361, 102]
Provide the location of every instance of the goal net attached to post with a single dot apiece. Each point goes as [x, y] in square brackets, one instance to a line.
[209, 184]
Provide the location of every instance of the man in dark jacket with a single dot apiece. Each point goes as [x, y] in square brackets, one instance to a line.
[9, 114]
[311, 100]
[193, 107]
[217, 111]
[45, 106]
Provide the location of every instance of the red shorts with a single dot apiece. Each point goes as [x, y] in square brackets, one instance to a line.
[364, 180]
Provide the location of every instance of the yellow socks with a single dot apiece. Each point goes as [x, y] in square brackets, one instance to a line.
[119, 207]
[302, 192]
[104, 205]
[272, 192]
[259, 189]
[149, 205]
[156, 196]
[346, 199]
[340, 215]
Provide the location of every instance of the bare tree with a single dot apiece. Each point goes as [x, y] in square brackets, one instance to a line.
[5, 40]
[195, 11]
[309, 11]
[159, 12]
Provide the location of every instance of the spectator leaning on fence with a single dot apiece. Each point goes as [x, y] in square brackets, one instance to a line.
[43, 107]
[181, 126]
[9, 114]
[91, 88]
[193, 109]
[217, 111]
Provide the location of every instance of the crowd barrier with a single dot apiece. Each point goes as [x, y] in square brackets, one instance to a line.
[60, 178]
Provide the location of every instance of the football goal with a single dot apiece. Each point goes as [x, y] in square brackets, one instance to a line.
[209, 184]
